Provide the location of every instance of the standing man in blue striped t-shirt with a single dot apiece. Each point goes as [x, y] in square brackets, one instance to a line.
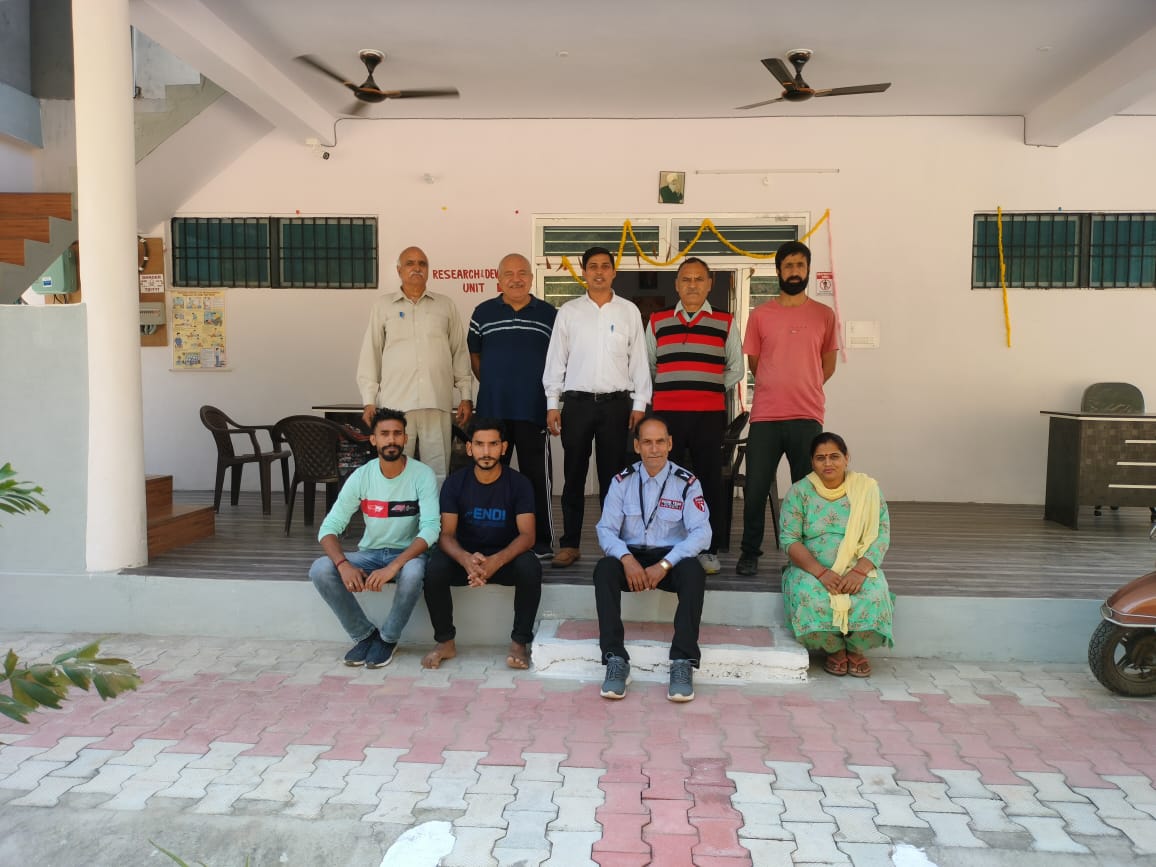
[508, 339]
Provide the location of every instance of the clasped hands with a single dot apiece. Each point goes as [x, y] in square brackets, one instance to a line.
[639, 578]
[479, 569]
[851, 583]
[355, 579]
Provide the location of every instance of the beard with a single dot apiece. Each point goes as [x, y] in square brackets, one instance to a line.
[793, 285]
[390, 453]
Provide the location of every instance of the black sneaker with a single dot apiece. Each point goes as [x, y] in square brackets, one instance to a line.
[681, 680]
[543, 551]
[617, 677]
[359, 651]
[747, 565]
[381, 654]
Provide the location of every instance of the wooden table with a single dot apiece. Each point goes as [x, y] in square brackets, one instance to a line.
[1098, 459]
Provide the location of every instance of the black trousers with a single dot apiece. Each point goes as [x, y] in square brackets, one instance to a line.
[767, 442]
[606, 423]
[698, 440]
[687, 579]
[531, 443]
[523, 573]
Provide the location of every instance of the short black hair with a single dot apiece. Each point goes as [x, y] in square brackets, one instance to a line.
[692, 260]
[478, 423]
[595, 251]
[384, 413]
[790, 248]
[829, 437]
[650, 416]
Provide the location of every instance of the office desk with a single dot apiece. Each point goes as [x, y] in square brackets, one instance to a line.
[1098, 459]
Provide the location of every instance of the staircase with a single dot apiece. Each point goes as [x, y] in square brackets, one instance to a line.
[34, 229]
[171, 526]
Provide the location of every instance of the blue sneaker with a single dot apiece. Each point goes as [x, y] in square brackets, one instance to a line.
[360, 651]
[381, 654]
[681, 680]
[617, 677]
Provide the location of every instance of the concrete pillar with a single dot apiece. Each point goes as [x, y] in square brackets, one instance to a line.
[106, 199]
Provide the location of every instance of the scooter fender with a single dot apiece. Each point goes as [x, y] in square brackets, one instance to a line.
[1134, 604]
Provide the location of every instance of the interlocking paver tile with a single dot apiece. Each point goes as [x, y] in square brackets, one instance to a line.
[134, 794]
[166, 769]
[1022, 801]
[1052, 787]
[1110, 804]
[815, 843]
[411, 777]
[719, 837]
[246, 771]
[526, 829]
[951, 829]
[191, 783]
[445, 794]
[1048, 835]
[868, 854]
[533, 796]
[542, 767]
[1084, 819]
[576, 814]
[328, 774]
[1137, 789]
[307, 802]
[29, 773]
[763, 821]
[521, 857]
[86, 764]
[361, 789]
[571, 848]
[473, 847]
[877, 780]
[793, 775]
[1142, 833]
[842, 792]
[67, 749]
[668, 817]
[393, 807]
[963, 784]
[931, 797]
[622, 798]
[750, 787]
[856, 824]
[379, 761]
[622, 833]
[484, 811]
[12, 756]
[802, 806]
[987, 814]
[221, 755]
[219, 798]
[896, 810]
[47, 792]
[144, 752]
[498, 780]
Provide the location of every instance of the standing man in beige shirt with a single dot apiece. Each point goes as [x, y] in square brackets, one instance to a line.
[413, 357]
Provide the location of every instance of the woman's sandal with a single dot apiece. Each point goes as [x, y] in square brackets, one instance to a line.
[857, 665]
[836, 663]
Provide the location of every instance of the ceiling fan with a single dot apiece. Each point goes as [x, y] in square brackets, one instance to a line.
[797, 90]
[368, 91]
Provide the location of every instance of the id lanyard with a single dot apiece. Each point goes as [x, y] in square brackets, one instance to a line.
[657, 502]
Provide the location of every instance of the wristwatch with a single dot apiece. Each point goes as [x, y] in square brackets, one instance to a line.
[665, 564]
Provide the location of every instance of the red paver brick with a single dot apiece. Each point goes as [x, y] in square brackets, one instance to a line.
[665, 784]
[863, 754]
[946, 758]
[785, 750]
[747, 759]
[621, 859]
[897, 743]
[271, 744]
[925, 733]
[722, 861]
[831, 763]
[621, 798]
[667, 817]
[427, 751]
[1080, 773]
[975, 746]
[996, 772]
[503, 752]
[624, 769]
[1022, 760]
[122, 738]
[713, 802]
[719, 837]
[912, 768]
[672, 850]
[583, 754]
[622, 832]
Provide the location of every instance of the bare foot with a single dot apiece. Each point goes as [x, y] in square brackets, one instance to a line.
[442, 650]
[518, 657]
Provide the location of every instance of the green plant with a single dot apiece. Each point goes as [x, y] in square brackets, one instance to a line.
[181, 862]
[18, 497]
[47, 684]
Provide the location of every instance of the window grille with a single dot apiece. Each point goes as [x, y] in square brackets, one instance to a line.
[570, 240]
[763, 239]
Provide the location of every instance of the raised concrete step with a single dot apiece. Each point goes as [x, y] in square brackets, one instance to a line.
[730, 654]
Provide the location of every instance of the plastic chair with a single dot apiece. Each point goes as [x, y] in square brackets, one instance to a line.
[316, 444]
[734, 453]
[1113, 398]
[223, 430]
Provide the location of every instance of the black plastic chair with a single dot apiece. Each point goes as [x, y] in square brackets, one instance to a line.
[318, 459]
[223, 430]
[734, 453]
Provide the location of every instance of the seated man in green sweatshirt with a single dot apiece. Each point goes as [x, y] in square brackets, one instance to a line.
[398, 498]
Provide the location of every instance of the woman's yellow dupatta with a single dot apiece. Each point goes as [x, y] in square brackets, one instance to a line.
[860, 533]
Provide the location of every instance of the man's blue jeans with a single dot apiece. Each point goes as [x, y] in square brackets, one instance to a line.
[408, 588]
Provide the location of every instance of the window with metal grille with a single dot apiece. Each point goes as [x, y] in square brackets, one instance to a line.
[557, 290]
[762, 239]
[279, 252]
[1066, 250]
[571, 240]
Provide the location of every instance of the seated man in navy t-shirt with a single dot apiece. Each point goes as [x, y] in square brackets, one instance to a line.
[486, 536]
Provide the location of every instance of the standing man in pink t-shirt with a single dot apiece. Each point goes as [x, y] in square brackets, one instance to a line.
[790, 344]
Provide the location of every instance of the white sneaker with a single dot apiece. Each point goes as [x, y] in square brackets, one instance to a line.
[710, 563]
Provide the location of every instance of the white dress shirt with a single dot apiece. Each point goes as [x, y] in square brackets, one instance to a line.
[599, 350]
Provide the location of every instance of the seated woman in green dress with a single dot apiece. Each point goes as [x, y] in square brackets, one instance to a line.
[835, 529]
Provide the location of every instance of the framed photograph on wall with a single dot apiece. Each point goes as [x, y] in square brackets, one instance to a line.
[671, 188]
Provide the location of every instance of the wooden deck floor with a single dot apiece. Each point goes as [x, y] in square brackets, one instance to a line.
[937, 549]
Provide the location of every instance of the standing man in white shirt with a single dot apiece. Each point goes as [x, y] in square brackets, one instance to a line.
[597, 368]
[412, 358]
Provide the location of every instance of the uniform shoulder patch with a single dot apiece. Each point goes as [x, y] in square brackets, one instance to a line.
[684, 474]
[626, 473]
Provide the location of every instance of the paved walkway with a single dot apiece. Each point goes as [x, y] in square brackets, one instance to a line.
[277, 752]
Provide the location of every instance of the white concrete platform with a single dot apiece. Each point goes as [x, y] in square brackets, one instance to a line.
[735, 655]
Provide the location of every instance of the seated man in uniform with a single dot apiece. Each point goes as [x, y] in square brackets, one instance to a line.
[486, 538]
[654, 523]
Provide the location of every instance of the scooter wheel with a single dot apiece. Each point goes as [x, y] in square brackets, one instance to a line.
[1124, 659]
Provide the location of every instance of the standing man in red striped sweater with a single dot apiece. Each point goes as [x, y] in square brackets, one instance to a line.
[695, 357]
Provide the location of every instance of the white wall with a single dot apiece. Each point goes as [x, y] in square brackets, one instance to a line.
[943, 411]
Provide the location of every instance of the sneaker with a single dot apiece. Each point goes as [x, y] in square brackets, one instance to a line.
[543, 551]
[681, 680]
[381, 654]
[747, 565]
[617, 677]
[359, 651]
[710, 563]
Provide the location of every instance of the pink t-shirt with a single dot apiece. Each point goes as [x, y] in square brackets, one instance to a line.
[790, 343]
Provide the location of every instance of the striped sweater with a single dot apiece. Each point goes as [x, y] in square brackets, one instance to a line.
[690, 360]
